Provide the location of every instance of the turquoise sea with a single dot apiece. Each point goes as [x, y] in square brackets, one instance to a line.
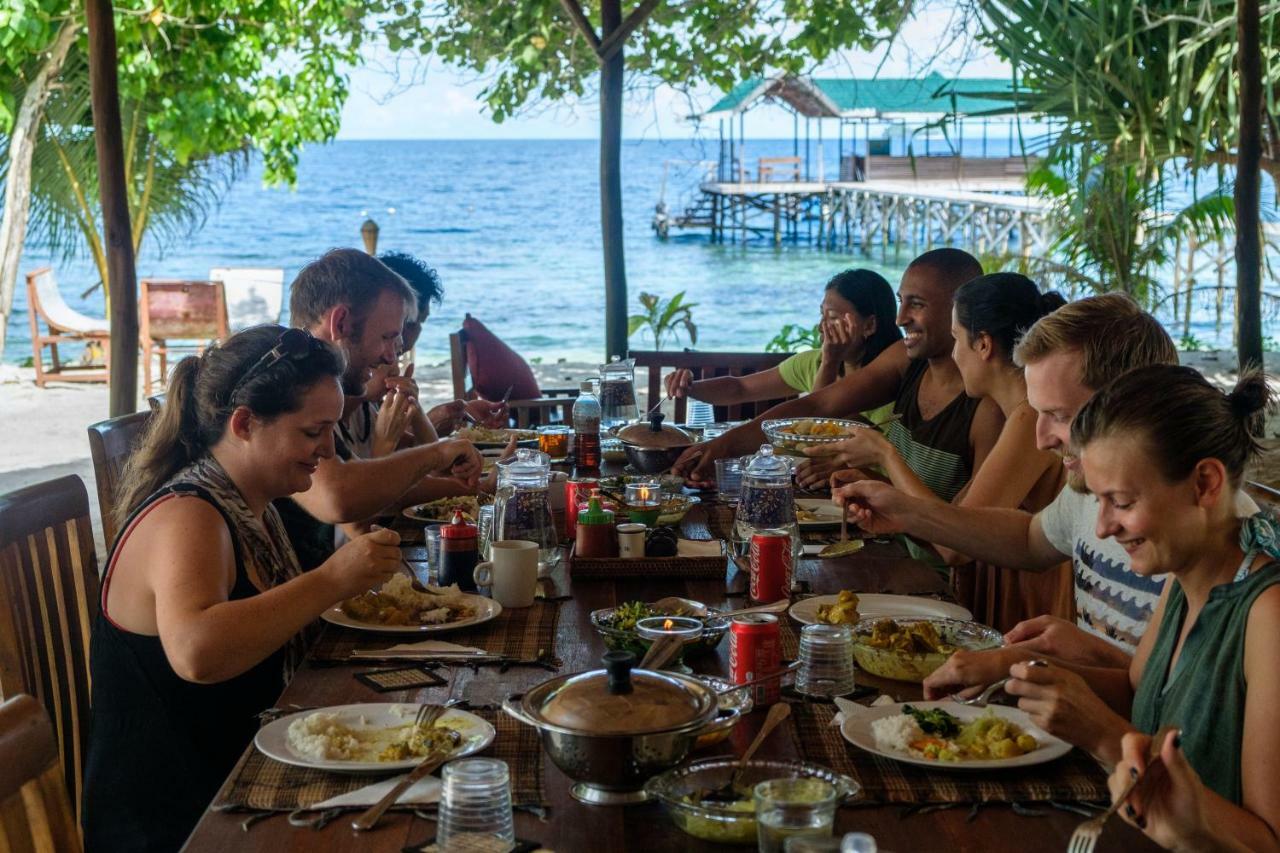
[513, 229]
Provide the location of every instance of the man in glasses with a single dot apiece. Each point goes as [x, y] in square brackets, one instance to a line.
[355, 302]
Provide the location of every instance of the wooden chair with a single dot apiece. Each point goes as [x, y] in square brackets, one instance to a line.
[524, 413]
[254, 295]
[111, 442]
[48, 603]
[704, 366]
[194, 312]
[63, 324]
[35, 812]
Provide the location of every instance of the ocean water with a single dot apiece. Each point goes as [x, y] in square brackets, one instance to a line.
[512, 227]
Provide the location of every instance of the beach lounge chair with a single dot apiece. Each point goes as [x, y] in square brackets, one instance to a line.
[64, 325]
[475, 349]
[255, 295]
[48, 603]
[178, 316]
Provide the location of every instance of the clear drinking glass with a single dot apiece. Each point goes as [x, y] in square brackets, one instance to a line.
[699, 413]
[729, 479]
[792, 808]
[484, 531]
[826, 661]
[475, 805]
[852, 842]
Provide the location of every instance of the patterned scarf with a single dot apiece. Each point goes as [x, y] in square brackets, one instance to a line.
[262, 546]
[1260, 534]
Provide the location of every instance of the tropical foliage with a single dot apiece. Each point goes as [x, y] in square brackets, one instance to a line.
[664, 318]
[794, 338]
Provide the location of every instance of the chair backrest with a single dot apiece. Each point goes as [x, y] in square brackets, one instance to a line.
[111, 442]
[36, 812]
[48, 602]
[254, 295]
[182, 310]
[1266, 496]
[45, 299]
[704, 366]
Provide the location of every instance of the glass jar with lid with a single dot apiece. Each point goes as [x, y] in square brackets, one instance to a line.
[522, 503]
[766, 503]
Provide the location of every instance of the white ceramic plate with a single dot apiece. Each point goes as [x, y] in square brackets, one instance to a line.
[858, 732]
[873, 604]
[272, 739]
[439, 511]
[486, 609]
[827, 512]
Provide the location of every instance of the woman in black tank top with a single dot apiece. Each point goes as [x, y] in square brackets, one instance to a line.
[205, 611]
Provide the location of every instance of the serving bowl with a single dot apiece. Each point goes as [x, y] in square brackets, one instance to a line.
[626, 639]
[721, 822]
[733, 706]
[675, 507]
[612, 730]
[905, 665]
[778, 431]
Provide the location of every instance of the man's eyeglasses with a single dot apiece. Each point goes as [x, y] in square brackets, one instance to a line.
[294, 344]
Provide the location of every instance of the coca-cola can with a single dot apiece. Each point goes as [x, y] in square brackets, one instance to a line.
[771, 566]
[755, 650]
[576, 491]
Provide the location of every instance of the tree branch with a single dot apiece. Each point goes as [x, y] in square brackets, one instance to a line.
[616, 39]
[574, 9]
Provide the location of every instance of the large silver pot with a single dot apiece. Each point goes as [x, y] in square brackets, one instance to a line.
[652, 448]
[612, 730]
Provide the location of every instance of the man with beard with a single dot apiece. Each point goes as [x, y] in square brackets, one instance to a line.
[1067, 356]
[354, 301]
[941, 433]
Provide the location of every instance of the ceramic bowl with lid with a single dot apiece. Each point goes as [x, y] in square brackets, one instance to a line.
[654, 447]
[612, 729]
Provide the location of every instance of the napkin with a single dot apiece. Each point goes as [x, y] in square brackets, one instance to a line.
[699, 548]
[850, 709]
[426, 648]
[422, 792]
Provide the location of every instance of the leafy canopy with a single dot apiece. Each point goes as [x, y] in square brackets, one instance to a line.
[531, 51]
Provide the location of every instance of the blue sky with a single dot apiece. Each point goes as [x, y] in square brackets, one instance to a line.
[445, 105]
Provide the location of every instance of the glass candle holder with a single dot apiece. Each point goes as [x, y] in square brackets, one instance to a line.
[644, 502]
[686, 628]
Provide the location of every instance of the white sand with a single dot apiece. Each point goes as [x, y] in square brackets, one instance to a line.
[44, 429]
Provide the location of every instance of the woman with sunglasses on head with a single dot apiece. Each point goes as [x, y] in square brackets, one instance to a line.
[1165, 453]
[204, 609]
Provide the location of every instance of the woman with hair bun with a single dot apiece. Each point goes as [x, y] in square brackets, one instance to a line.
[989, 317]
[204, 608]
[1165, 453]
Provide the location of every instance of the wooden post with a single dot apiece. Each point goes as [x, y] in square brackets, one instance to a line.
[369, 233]
[615, 270]
[122, 277]
[1248, 188]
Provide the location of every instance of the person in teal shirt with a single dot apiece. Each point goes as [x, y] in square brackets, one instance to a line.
[1165, 452]
[859, 319]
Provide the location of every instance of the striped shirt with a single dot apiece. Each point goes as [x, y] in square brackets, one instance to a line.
[937, 449]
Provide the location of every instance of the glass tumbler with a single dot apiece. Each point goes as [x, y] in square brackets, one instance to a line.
[729, 479]
[484, 530]
[793, 808]
[475, 806]
[826, 661]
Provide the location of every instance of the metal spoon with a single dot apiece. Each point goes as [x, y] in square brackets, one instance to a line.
[981, 700]
[677, 606]
[777, 714]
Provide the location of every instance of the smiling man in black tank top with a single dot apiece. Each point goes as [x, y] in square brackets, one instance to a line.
[942, 434]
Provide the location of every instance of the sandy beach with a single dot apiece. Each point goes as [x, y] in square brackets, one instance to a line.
[44, 434]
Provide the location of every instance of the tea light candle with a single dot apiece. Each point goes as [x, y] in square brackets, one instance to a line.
[644, 502]
[686, 628]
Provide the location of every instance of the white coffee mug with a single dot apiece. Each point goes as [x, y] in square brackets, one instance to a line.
[512, 573]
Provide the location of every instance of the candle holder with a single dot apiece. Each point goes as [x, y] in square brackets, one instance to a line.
[644, 502]
[687, 629]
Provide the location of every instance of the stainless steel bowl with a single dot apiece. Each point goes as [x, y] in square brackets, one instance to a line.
[611, 768]
[652, 460]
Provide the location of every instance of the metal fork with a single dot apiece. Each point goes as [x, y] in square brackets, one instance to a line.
[981, 700]
[1086, 836]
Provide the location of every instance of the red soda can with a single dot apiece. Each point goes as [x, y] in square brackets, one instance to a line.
[576, 490]
[771, 567]
[755, 650]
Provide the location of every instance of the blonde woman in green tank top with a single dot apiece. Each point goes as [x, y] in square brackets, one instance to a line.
[1165, 454]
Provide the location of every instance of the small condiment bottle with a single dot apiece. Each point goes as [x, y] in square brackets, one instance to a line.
[595, 535]
[458, 553]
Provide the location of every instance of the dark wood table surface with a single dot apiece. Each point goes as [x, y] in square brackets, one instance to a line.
[573, 826]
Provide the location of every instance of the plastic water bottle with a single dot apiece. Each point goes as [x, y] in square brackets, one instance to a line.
[586, 432]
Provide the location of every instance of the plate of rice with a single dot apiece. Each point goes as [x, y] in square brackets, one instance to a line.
[950, 736]
[375, 737]
[400, 607]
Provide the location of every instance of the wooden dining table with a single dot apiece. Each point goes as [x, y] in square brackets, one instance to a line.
[570, 825]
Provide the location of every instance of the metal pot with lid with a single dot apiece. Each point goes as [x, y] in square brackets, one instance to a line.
[612, 729]
[653, 447]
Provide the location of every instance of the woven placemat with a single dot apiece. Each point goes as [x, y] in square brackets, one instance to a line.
[263, 784]
[522, 633]
[1073, 778]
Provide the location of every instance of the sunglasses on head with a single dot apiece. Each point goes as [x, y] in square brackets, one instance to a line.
[294, 344]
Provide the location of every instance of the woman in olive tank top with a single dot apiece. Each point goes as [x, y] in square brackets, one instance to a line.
[1165, 454]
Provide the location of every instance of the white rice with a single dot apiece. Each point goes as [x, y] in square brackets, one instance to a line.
[322, 736]
[896, 732]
